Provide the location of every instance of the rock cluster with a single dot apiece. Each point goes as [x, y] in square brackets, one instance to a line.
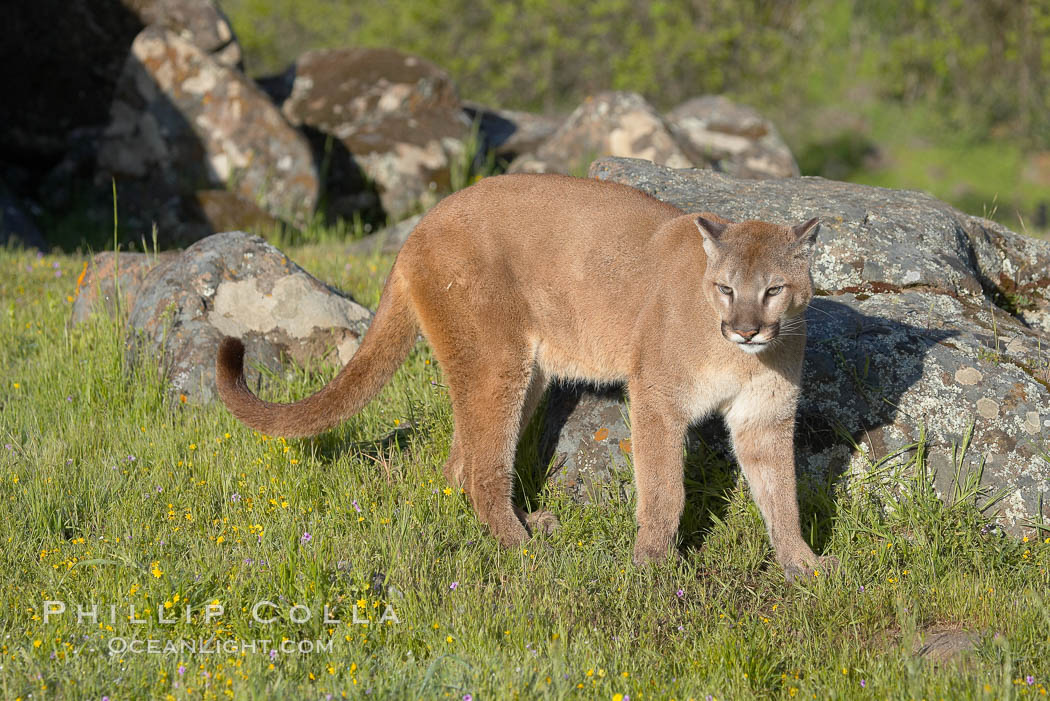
[150, 96]
[706, 132]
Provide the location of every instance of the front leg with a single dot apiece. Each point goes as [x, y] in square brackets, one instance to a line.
[657, 434]
[765, 449]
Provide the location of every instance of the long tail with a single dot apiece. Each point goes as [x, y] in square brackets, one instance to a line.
[383, 349]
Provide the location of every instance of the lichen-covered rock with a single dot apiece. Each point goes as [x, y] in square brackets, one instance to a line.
[397, 117]
[229, 211]
[62, 60]
[887, 362]
[182, 122]
[104, 274]
[607, 124]
[585, 440]
[883, 368]
[734, 139]
[198, 21]
[236, 284]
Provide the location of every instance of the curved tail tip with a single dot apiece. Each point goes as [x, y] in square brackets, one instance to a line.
[230, 361]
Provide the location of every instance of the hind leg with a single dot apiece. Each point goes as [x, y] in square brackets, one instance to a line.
[487, 402]
[454, 466]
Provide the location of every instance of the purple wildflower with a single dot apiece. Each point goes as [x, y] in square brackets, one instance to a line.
[1030, 680]
[680, 593]
[863, 684]
[306, 538]
[453, 586]
[354, 504]
[182, 669]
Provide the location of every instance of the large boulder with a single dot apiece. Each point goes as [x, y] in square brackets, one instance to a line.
[198, 21]
[183, 122]
[62, 61]
[607, 124]
[732, 138]
[379, 116]
[913, 335]
[236, 284]
[110, 281]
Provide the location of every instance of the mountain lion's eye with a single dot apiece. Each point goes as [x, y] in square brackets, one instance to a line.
[727, 291]
[774, 291]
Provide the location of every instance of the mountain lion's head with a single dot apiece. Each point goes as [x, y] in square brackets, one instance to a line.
[757, 277]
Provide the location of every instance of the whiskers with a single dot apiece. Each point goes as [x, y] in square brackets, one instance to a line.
[811, 308]
[795, 326]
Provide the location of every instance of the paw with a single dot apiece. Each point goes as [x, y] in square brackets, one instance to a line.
[649, 549]
[806, 571]
[541, 522]
[511, 536]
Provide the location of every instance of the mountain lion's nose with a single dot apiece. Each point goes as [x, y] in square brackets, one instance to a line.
[748, 334]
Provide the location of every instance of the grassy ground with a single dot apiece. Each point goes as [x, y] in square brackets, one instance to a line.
[111, 497]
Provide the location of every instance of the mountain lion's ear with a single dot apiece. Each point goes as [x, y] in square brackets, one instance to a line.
[712, 232]
[806, 235]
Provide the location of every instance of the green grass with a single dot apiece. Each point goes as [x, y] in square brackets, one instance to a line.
[913, 147]
[109, 495]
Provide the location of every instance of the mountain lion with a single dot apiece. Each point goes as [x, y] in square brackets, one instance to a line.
[521, 279]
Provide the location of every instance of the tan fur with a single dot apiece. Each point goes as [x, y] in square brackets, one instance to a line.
[521, 279]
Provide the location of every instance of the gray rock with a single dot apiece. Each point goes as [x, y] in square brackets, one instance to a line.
[198, 21]
[887, 361]
[944, 645]
[182, 122]
[607, 124]
[104, 275]
[395, 122]
[80, 46]
[585, 440]
[62, 61]
[236, 284]
[229, 211]
[732, 138]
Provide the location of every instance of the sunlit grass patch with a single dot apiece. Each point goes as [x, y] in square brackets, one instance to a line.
[110, 496]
